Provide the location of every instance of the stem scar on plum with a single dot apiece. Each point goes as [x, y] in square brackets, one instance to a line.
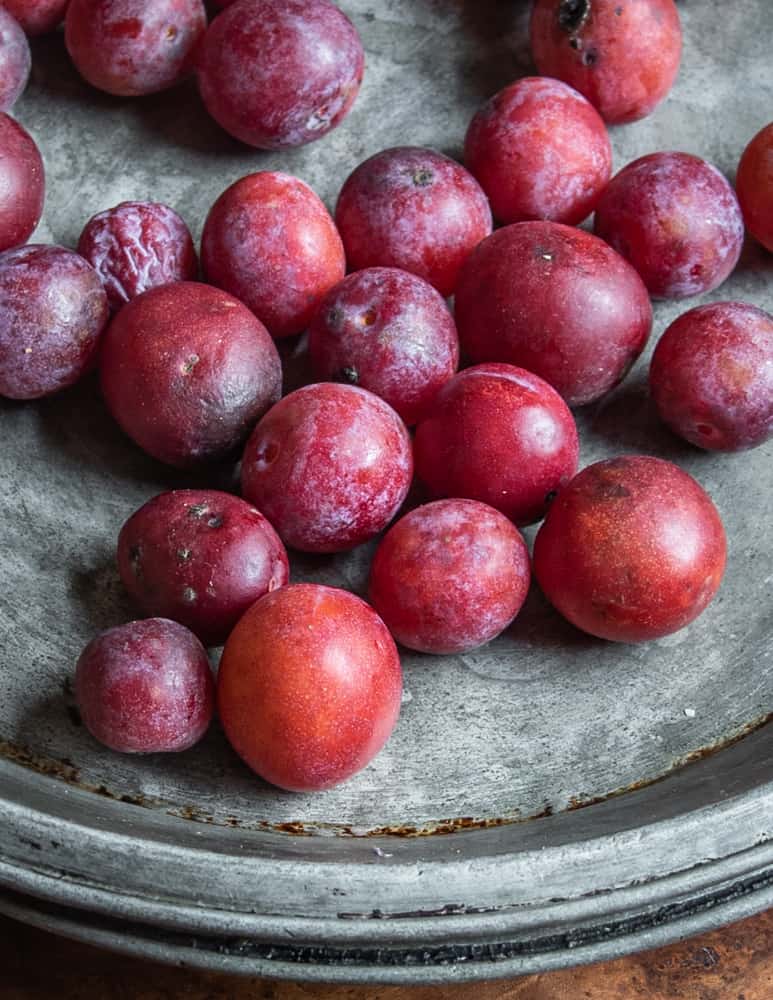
[183, 554]
[590, 57]
[189, 595]
[198, 509]
[422, 177]
[572, 14]
[190, 363]
[216, 521]
[349, 375]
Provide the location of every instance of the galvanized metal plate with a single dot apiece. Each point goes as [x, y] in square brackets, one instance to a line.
[191, 857]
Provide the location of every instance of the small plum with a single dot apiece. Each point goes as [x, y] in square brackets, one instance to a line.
[280, 73]
[632, 549]
[676, 219]
[37, 17]
[329, 466]
[414, 209]
[556, 301]
[200, 557]
[387, 331]
[540, 151]
[711, 376]
[754, 186]
[270, 241]
[136, 246]
[623, 55]
[133, 47]
[187, 370]
[22, 183]
[53, 310]
[309, 686]
[449, 576]
[145, 687]
[15, 60]
[501, 435]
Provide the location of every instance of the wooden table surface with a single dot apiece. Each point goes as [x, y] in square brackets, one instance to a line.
[732, 964]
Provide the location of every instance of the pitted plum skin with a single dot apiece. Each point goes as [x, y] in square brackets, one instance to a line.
[280, 73]
[129, 48]
[540, 151]
[201, 558]
[136, 246]
[37, 17]
[387, 331]
[711, 376]
[676, 219]
[15, 60]
[754, 185]
[415, 209]
[145, 687]
[449, 576]
[632, 549]
[329, 466]
[623, 55]
[556, 301]
[22, 184]
[501, 435]
[53, 312]
[270, 241]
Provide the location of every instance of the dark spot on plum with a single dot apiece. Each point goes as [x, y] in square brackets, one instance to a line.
[618, 11]
[590, 58]
[198, 509]
[550, 497]
[171, 33]
[135, 558]
[348, 375]
[423, 177]
[190, 363]
[572, 14]
[216, 521]
[368, 318]
[189, 595]
[183, 555]
[696, 270]
[575, 43]
[335, 317]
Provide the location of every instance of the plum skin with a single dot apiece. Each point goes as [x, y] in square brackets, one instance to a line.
[449, 576]
[754, 186]
[270, 241]
[201, 558]
[623, 55]
[329, 466]
[145, 687]
[187, 370]
[711, 376]
[37, 17]
[676, 219]
[280, 73]
[309, 686]
[136, 246]
[22, 183]
[415, 209]
[632, 549]
[15, 60]
[556, 301]
[540, 151]
[53, 312]
[387, 331]
[498, 434]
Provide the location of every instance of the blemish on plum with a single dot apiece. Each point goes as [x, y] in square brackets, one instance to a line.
[190, 363]
[198, 509]
[183, 554]
[216, 521]
[572, 14]
[590, 57]
[348, 375]
[189, 595]
[423, 177]
[135, 558]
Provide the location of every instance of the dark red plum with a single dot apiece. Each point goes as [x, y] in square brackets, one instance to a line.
[136, 246]
[52, 314]
[329, 466]
[37, 17]
[414, 209]
[540, 151]
[501, 435]
[711, 376]
[449, 576]
[145, 687]
[133, 47]
[279, 73]
[309, 687]
[754, 185]
[22, 183]
[623, 55]
[676, 219]
[15, 60]
[200, 557]
[556, 301]
[187, 370]
[389, 332]
[632, 549]
[270, 241]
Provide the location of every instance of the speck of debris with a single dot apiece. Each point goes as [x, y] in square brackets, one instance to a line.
[381, 854]
[690, 713]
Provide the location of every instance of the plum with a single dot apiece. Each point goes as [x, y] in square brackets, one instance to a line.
[540, 151]
[414, 209]
[22, 183]
[329, 466]
[387, 331]
[53, 311]
[145, 687]
[501, 435]
[754, 186]
[309, 686]
[200, 557]
[280, 73]
[632, 549]
[133, 47]
[15, 60]
[711, 376]
[449, 576]
[270, 241]
[556, 301]
[37, 17]
[187, 370]
[676, 219]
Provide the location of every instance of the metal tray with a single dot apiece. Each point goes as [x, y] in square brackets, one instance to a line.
[545, 800]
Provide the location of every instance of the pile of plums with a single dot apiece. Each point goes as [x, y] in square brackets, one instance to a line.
[547, 317]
